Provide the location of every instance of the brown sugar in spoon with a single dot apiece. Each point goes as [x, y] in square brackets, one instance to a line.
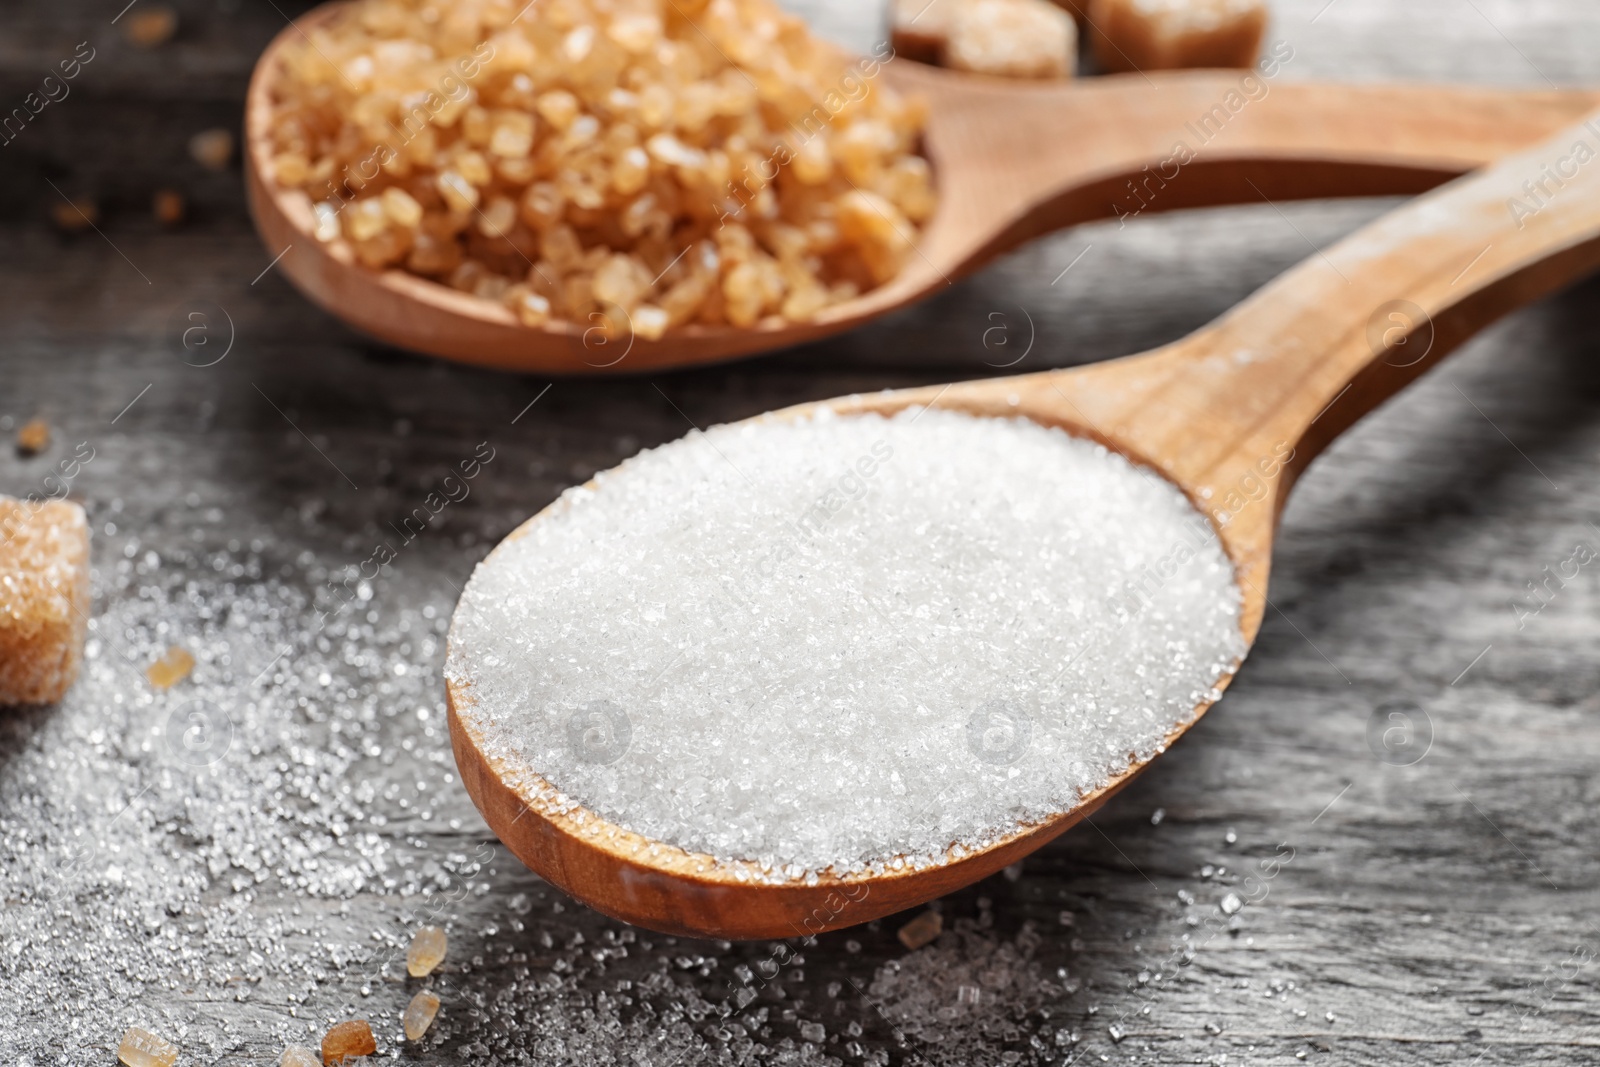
[1281, 375]
[1011, 161]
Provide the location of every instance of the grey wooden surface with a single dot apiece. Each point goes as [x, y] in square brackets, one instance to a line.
[1439, 906]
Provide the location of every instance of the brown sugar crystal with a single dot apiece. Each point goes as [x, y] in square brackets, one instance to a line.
[212, 149]
[348, 1039]
[426, 951]
[141, 1048]
[73, 216]
[168, 207]
[173, 667]
[419, 1015]
[44, 598]
[33, 437]
[298, 1056]
[151, 26]
[921, 930]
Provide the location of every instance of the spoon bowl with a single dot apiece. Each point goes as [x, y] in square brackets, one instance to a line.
[1011, 160]
[1231, 415]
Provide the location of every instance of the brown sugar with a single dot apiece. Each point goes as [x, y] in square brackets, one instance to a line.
[921, 930]
[150, 26]
[33, 437]
[168, 207]
[72, 216]
[426, 951]
[419, 1015]
[44, 598]
[346, 1040]
[652, 168]
[173, 667]
[212, 149]
[141, 1048]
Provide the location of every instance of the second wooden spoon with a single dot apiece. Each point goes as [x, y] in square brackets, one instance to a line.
[1012, 161]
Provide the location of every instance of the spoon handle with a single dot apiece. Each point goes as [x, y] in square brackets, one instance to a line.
[1024, 160]
[1350, 327]
[1235, 411]
[1271, 383]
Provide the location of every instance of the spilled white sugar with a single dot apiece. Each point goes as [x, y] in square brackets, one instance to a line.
[834, 642]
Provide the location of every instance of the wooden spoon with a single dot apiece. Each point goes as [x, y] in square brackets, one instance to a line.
[1012, 160]
[1279, 376]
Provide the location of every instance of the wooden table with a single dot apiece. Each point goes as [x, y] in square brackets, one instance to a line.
[1439, 904]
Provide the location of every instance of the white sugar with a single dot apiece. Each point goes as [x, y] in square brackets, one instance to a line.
[835, 642]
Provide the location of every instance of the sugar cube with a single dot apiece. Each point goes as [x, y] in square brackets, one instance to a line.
[1012, 38]
[1171, 34]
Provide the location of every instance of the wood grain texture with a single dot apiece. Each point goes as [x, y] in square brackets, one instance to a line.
[1429, 909]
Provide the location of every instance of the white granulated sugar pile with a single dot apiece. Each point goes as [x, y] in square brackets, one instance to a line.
[832, 643]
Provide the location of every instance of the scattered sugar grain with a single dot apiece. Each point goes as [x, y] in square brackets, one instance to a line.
[173, 667]
[419, 1015]
[141, 1048]
[150, 26]
[75, 215]
[348, 1040]
[212, 149]
[33, 437]
[168, 207]
[299, 1056]
[959, 998]
[921, 930]
[845, 642]
[426, 951]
